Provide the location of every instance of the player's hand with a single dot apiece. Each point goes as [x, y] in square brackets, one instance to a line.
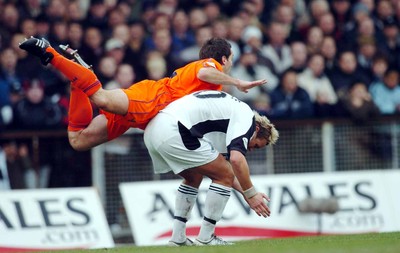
[244, 86]
[259, 204]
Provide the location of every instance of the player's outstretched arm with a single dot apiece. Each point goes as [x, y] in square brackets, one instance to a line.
[214, 76]
[244, 86]
[242, 183]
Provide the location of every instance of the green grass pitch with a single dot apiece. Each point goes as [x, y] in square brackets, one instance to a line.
[359, 243]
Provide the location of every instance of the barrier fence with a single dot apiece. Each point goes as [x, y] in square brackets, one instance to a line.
[304, 146]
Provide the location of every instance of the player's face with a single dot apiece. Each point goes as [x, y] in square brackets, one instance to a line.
[256, 143]
[227, 63]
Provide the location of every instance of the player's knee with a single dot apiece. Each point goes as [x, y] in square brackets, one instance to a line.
[191, 178]
[226, 177]
[76, 144]
[100, 99]
[230, 177]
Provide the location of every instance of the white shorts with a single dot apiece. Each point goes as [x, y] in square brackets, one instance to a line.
[167, 150]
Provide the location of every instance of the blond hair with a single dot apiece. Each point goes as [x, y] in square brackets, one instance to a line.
[267, 129]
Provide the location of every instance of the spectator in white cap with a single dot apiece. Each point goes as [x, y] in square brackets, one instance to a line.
[116, 49]
[252, 36]
[249, 67]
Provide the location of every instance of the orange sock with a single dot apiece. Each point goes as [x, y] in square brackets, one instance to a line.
[80, 110]
[79, 76]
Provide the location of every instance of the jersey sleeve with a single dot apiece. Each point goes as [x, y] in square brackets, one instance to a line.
[211, 63]
[241, 142]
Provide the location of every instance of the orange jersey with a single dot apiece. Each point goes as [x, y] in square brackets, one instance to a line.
[184, 80]
[148, 97]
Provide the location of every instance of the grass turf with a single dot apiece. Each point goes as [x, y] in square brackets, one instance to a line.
[359, 243]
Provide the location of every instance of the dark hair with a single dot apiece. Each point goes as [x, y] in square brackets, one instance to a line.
[390, 70]
[356, 81]
[215, 48]
[286, 72]
[380, 57]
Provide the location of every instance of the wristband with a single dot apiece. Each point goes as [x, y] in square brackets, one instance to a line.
[249, 193]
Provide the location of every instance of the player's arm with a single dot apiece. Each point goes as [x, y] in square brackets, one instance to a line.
[214, 76]
[254, 198]
[236, 185]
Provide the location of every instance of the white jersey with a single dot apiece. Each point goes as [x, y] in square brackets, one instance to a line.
[189, 131]
[220, 118]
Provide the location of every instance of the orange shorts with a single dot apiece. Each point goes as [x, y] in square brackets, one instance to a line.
[146, 99]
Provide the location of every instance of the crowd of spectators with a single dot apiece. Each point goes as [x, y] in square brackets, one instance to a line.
[312, 52]
[322, 58]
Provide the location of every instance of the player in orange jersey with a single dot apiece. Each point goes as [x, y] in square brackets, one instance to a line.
[122, 109]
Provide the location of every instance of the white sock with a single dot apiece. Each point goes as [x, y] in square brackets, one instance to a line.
[216, 199]
[184, 202]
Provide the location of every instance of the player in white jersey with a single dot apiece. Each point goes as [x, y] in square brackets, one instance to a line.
[190, 137]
